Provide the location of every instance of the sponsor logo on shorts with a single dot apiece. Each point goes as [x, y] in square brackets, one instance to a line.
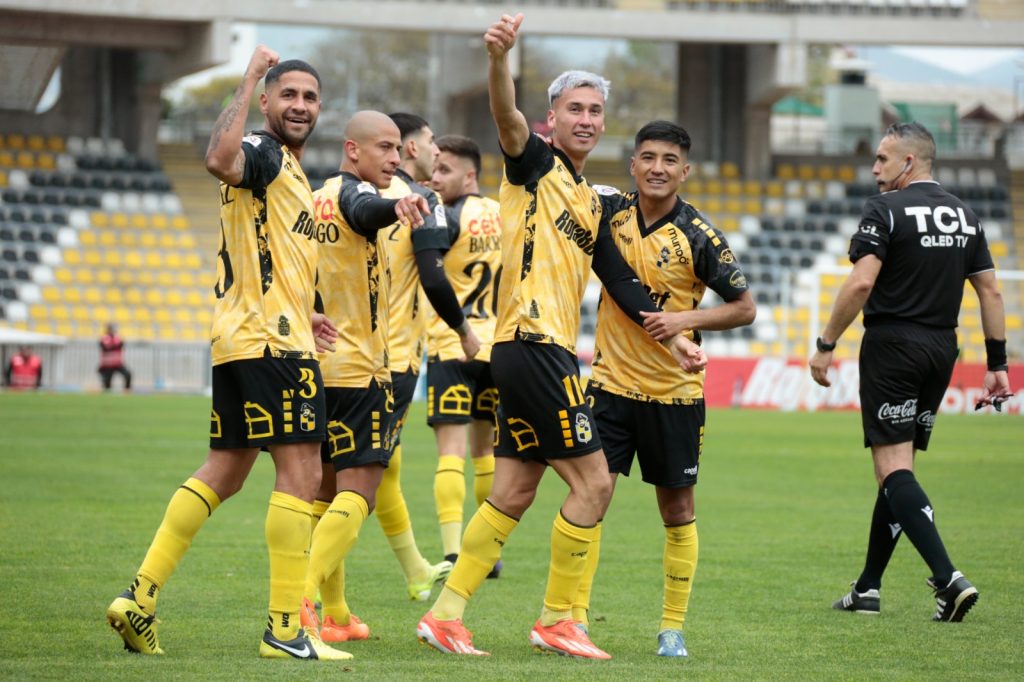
[691, 471]
[926, 419]
[898, 413]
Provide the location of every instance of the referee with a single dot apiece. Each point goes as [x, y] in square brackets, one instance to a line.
[915, 246]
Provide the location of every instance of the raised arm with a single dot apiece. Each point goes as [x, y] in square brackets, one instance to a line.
[224, 157]
[513, 130]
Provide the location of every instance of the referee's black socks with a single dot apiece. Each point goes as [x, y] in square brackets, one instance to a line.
[913, 511]
[882, 539]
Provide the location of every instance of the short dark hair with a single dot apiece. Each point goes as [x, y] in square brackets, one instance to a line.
[917, 135]
[408, 124]
[663, 131]
[288, 66]
[462, 147]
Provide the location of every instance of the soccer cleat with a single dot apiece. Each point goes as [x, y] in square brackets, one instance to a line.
[437, 573]
[868, 602]
[671, 643]
[306, 645]
[356, 629]
[566, 639]
[136, 627]
[496, 571]
[582, 627]
[447, 636]
[954, 600]
[308, 616]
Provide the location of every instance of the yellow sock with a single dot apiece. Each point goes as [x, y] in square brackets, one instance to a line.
[332, 591]
[288, 525]
[450, 497]
[334, 538]
[186, 513]
[485, 535]
[680, 563]
[570, 545]
[393, 515]
[581, 605]
[483, 476]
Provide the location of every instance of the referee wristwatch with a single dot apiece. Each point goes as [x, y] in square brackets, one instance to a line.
[825, 347]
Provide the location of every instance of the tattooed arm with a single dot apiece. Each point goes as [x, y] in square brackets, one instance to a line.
[224, 157]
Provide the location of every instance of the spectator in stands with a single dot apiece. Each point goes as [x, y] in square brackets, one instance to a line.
[24, 371]
[915, 246]
[112, 359]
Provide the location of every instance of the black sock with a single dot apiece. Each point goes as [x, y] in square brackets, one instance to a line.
[914, 512]
[882, 539]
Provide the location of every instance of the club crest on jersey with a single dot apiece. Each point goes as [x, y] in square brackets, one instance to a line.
[366, 188]
[726, 257]
[284, 328]
[663, 257]
[737, 280]
[584, 433]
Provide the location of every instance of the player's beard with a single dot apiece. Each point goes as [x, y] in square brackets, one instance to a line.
[290, 138]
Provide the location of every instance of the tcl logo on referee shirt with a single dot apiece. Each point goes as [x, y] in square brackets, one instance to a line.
[947, 220]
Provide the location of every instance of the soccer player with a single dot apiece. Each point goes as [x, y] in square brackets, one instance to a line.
[112, 359]
[642, 406]
[415, 259]
[352, 288]
[24, 370]
[915, 246]
[550, 217]
[461, 397]
[267, 387]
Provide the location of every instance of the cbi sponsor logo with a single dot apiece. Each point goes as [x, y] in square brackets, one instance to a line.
[575, 233]
[898, 413]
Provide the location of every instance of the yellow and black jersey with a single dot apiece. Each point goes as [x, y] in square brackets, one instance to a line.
[549, 218]
[676, 259]
[473, 266]
[352, 284]
[407, 322]
[266, 266]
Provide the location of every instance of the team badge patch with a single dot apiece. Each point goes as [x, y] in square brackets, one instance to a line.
[307, 417]
[584, 433]
[663, 257]
[726, 257]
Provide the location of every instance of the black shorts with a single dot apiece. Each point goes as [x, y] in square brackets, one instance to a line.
[404, 386]
[667, 439]
[358, 426]
[904, 373]
[458, 392]
[267, 401]
[543, 413]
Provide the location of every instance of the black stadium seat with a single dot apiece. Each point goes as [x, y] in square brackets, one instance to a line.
[27, 236]
[5, 274]
[9, 293]
[22, 275]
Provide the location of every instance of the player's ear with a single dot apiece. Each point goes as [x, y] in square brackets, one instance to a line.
[410, 149]
[351, 150]
[263, 103]
[632, 166]
[551, 118]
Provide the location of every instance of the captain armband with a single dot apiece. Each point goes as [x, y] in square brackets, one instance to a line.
[995, 352]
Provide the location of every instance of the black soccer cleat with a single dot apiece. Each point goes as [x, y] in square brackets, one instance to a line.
[954, 600]
[868, 602]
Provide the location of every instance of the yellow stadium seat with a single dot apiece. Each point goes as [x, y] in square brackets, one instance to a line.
[734, 188]
[3, 179]
[805, 171]
[146, 332]
[38, 311]
[88, 238]
[25, 160]
[999, 249]
[186, 241]
[1013, 322]
[63, 275]
[65, 329]
[162, 315]
[119, 220]
[51, 294]
[154, 298]
[185, 278]
[108, 238]
[92, 296]
[826, 173]
[785, 171]
[72, 256]
[775, 189]
[133, 259]
[752, 206]
[55, 144]
[713, 187]
[36, 143]
[733, 206]
[729, 170]
[92, 257]
[139, 221]
[168, 333]
[758, 348]
[146, 278]
[112, 259]
[183, 316]
[847, 174]
[194, 262]
[133, 296]
[112, 296]
[15, 141]
[172, 260]
[85, 276]
[122, 315]
[99, 219]
[168, 240]
[81, 313]
[125, 277]
[73, 295]
[179, 222]
[752, 188]
[207, 279]
[46, 161]
[694, 186]
[142, 314]
[165, 278]
[105, 277]
[712, 205]
[102, 314]
[159, 221]
[729, 224]
[129, 239]
[195, 299]
[43, 328]
[174, 298]
[204, 316]
[148, 240]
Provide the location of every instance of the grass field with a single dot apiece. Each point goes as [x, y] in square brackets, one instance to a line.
[783, 508]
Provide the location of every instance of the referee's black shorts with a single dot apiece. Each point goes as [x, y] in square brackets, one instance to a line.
[542, 411]
[904, 373]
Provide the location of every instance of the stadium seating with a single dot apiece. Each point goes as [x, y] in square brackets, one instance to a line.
[89, 235]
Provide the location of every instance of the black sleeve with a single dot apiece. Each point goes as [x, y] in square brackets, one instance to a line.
[873, 233]
[364, 209]
[535, 161]
[263, 159]
[430, 264]
[618, 278]
[433, 233]
[981, 259]
[715, 264]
